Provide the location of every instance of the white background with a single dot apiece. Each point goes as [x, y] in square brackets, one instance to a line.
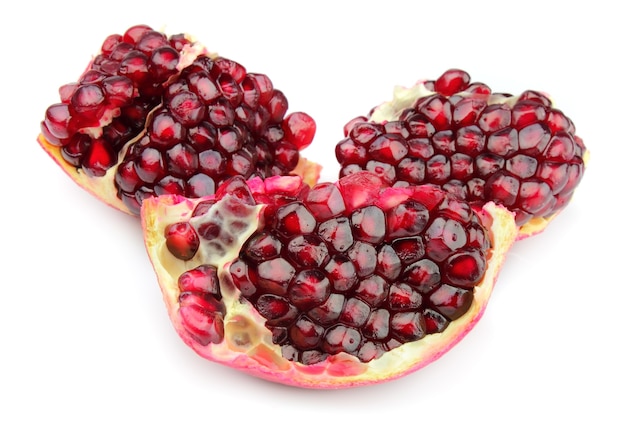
[84, 333]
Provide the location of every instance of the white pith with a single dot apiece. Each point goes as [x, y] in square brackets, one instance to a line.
[405, 97]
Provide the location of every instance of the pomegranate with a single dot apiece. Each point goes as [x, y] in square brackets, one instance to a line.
[155, 115]
[335, 285]
[518, 151]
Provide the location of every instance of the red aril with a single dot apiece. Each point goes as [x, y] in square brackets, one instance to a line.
[329, 286]
[154, 115]
[518, 151]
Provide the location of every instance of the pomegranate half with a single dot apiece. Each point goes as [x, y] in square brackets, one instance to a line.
[154, 115]
[336, 285]
[518, 151]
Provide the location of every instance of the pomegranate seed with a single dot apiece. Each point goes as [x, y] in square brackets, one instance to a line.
[451, 301]
[182, 240]
[373, 290]
[424, 275]
[299, 129]
[134, 65]
[409, 249]
[377, 325]
[368, 224]
[187, 108]
[294, 219]
[329, 311]
[355, 312]
[98, 158]
[57, 120]
[305, 334]
[408, 326]
[308, 250]
[342, 273]
[205, 326]
[149, 165]
[465, 269]
[202, 279]
[88, 101]
[494, 118]
[438, 110]
[150, 41]
[309, 288]
[403, 297]
[277, 310]
[165, 131]
[452, 82]
[342, 338]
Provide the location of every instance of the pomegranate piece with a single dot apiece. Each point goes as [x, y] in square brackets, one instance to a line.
[338, 285]
[519, 151]
[154, 115]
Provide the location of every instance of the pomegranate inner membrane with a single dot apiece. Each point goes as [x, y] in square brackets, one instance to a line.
[353, 267]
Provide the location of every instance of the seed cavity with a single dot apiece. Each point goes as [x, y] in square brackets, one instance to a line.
[326, 277]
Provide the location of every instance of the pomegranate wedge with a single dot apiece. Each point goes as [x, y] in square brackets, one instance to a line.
[517, 151]
[336, 285]
[154, 115]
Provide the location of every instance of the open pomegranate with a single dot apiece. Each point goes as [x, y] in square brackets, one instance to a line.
[518, 151]
[335, 285]
[155, 115]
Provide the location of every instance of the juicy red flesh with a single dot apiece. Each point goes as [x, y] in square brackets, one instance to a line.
[523, 154]
[334, 274]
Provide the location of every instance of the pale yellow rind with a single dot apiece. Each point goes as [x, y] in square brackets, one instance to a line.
[101, 187]
[247, 345]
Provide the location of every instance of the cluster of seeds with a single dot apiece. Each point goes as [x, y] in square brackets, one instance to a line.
[171, 119]
[110, 102]
[352, 266]
[520, 152]
[216, 121]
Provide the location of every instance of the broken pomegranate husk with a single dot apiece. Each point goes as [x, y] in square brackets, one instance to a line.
[335, 285]
[517, 151]
[154, 115]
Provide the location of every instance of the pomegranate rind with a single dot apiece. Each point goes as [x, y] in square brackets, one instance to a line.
[102, 187]
[247, 343]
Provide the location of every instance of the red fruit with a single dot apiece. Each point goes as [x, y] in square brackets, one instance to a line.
[155, 115]
[518, 151]
[324, 287]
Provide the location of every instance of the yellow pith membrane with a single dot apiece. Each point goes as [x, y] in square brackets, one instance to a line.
[405, 98]
[247, 343]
